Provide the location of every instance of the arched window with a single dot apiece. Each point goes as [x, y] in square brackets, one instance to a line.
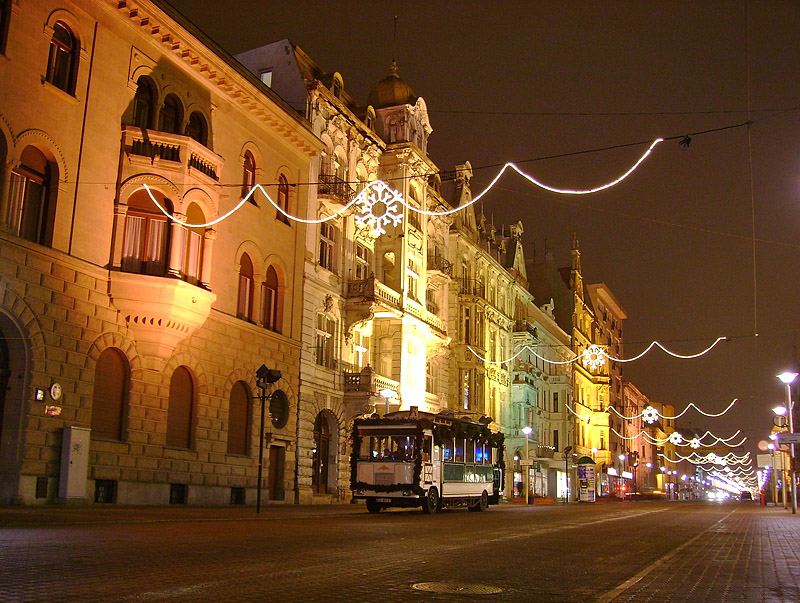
[321, 447]
[144, 248]
[143, 103]
[111, 386]
[193, 244]
[196, 129]
[244, 305]
[283, 198]
[62, 62]
[30, 211]
[248, 175]
[170, 117]
[5, 13]
[270, 301]
[180, 413]
[239, 419]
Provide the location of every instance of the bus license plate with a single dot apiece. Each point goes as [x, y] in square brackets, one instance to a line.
[383, 500]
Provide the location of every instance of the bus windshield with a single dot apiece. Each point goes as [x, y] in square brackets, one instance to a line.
[386, 447]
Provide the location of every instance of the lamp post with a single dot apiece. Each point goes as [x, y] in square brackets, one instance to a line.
[567, 450]
[527, 431]
[264, 377]
[388, 394]
[622, 458]
[788, 378]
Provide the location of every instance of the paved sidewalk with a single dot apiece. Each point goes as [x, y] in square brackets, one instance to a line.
[750, 556]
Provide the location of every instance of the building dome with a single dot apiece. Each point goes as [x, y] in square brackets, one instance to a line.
[391, 91]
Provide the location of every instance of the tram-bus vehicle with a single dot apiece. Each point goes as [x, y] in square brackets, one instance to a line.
[411, 459]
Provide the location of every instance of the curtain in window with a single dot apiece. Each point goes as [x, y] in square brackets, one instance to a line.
[156, 246]
[193, 246]
[16, 196]
[132, 244]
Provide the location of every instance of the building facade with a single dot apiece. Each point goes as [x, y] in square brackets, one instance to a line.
[134, 316]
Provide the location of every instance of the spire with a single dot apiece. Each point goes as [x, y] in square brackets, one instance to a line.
[575, 276]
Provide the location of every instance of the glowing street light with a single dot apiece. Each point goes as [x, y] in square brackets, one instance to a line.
[787, 379]
[527, 431]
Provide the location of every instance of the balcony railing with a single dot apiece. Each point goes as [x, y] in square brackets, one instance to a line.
[332, 186]
[439, 264]
[523, 326]
[172, 152]
[545, 452]
[468, 286]
[367, 381]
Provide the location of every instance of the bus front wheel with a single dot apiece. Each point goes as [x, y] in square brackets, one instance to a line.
[430, 503]
[482, 504]
[373, 506]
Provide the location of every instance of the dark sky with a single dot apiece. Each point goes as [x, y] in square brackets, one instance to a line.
[516, 81]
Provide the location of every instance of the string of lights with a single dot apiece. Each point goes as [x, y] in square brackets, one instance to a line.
[595, 356]
[678, 439]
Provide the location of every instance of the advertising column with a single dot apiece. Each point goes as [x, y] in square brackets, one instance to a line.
[586, 480]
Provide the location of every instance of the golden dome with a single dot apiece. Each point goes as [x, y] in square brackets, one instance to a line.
[391, 91]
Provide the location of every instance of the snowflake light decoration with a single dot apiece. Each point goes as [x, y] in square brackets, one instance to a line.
[695, 443]
[675, 438]
[379, 194]
[649, 415]
[594, 357]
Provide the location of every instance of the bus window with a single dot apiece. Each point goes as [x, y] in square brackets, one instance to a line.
[426, 449]
[402, 448]
[479, 453]
[459, 452]
[470, 458]
[447, 447]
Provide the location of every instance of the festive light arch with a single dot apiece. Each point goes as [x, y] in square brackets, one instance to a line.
[678, 439]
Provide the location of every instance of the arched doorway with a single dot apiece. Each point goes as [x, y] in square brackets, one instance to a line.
[321, 449]
[14, 354]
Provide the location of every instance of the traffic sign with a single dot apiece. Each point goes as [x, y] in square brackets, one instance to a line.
[763, 445]
[780, 421]
[789, 438]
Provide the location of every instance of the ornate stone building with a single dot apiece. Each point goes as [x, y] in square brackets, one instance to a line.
[134, 317]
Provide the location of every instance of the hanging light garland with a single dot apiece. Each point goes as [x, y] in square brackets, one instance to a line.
[595, 356]
[678, 439]
[366, 200]
[711, 458]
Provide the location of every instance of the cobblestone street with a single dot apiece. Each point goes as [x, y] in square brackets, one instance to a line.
[699, 552]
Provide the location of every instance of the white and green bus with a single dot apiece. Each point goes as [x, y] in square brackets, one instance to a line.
[412, 459]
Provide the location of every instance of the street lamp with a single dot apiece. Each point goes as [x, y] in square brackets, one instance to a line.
[388, 394]
[264, 377]
[567, 450]
[788, 378]
[527, 431]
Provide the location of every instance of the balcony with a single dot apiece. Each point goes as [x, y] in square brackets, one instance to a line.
[437, 263]
[363, 294]
[160, 311]
[523, 326]
[468, 286]
[334, 188]
[172, 153]
[367, 381]
[544, 452]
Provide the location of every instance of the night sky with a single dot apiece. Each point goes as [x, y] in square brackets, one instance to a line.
[528, 81]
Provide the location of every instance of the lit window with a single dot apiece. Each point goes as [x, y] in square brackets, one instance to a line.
[326, 329]
[30, 210]
[193, 244]
[63, 59]
[144, 247]
[363, 255]
[244, 306]
[266, 77]
[360, 350]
